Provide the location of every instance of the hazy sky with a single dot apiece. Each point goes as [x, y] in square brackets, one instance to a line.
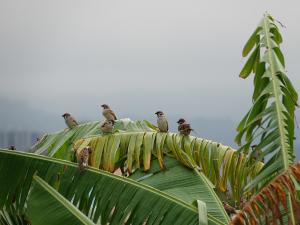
[183, 56]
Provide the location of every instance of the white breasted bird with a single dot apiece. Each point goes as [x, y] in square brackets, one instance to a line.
[69, 120]
[107, 126]
[108, 113]
[162, 122]
[83, 157]
[183, 127]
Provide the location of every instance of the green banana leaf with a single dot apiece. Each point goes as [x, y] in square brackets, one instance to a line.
[59, 144]
[136, 143]
[270, 121]
[10, 216]
[101, 196]
[227, 169]
[185, 184]
[47, 206]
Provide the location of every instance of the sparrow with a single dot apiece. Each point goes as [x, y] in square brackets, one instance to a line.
[69, 120]
[162, 122]
[256, 154]
[229, 209]
[108, 113]
[83, 157]
[107, 126]
[12, 147]
[183, 127]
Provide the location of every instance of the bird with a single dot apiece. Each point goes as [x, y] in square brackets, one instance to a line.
[183, 127]
[256, 154]
[108, 113]
[69, 120]
[12, 147]
[162, 122]
[83, 157]
[229, 209]
[107, 126]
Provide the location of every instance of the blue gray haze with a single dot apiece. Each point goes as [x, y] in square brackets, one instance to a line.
[179, 56]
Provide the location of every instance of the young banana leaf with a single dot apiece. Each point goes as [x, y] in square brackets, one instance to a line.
[270, 121]
[269, 124]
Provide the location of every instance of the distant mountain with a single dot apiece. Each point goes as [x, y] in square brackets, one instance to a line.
[19, 116]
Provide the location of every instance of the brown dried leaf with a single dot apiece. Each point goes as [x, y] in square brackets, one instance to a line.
[266, 204]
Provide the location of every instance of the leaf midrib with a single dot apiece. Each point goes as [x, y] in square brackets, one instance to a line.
[104, 173]
[70, 207]
[279, 118]
[276, 94]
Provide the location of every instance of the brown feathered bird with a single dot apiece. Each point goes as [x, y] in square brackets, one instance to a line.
[184, 128]
[256, 154]
[108, 113]
[12, 147]
[229, 209]
[69, 120]
[162, 122]
[107, 126]
[83, 157]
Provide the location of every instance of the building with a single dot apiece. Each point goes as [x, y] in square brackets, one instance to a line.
[22, 140]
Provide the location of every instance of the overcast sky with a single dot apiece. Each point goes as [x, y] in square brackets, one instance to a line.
[180, 56]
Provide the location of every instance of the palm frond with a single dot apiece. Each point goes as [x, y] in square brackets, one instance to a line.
[222, 165]
[183, 183]
[270, 205]
[59, 144]
[138, 142]
[202, 212]
[270, 121]
[10, 216]
[47, 206]
[102, 196]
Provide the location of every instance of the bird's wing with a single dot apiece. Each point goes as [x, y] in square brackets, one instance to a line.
[179, 127]
[103, 124]
[229, 208]
[74, 121]
[189, 127]
[113, 114]
[167, 125]
[185, 126]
